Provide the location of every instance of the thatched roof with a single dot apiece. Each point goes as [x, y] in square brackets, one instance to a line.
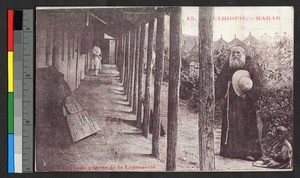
[250, 40]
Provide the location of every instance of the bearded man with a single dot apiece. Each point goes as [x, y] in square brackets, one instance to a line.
[239, 88]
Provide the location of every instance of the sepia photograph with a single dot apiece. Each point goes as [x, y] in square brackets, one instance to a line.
[164, 89]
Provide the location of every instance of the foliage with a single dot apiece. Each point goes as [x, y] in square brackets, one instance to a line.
[188, 85]
[276, 109]
[166, 68]
[220, 55]
[275, 57]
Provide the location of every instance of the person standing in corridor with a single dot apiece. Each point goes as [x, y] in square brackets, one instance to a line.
[97, 57]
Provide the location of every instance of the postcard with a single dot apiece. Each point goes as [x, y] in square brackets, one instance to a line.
[166, 88]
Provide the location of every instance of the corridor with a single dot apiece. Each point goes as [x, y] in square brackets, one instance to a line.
[119, 145]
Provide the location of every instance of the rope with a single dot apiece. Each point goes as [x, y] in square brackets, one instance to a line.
[227, 112]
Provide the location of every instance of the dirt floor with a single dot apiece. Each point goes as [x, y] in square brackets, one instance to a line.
[119, 146]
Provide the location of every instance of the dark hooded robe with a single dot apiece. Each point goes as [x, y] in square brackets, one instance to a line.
[242, 137]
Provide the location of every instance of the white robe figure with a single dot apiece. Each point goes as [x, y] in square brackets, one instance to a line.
[97, 57]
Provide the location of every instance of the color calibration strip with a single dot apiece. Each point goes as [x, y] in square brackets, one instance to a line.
[20, 91]
[18, 62]
[10, 45]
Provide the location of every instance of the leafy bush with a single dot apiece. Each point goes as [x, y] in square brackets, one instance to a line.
[276, 109]
[166, 69]
[275, 57]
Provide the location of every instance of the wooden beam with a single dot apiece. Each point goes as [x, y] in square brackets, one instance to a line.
[173, 93]
[159, 62]
[129, 68]
[126, 64]
[115, 17]
[136, 72]
[124, 59]
[121, 58]
[49, 39]
[116, 53]
[76, 56]
[119, 55]
[136, 18]
[120, 44]
[69, 58]
[57, 42]
[206, 90]
[147, 83]
[112, 30]
[141, 71]
[132, 66]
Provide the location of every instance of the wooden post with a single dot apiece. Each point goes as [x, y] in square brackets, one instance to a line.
[120, 41]
[49, 39]
[122, 59]
[126, 64]
[136, 72]
[141, 71]
[147, 85]
[132, 62]
[76, 56]
[116, 52]
[158, 75]
[206, 90]
[69, 58]
[57, 43]
[173, 93]
[129, 67]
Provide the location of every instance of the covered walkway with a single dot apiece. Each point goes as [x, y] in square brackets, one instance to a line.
[120, 145]
[122, 96]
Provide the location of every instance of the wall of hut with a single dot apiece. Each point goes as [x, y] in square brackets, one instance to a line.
[65, 43]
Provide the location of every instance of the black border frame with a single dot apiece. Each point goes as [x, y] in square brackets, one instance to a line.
[31, 4]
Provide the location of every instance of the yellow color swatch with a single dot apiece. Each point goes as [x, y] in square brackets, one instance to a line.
[10, 71]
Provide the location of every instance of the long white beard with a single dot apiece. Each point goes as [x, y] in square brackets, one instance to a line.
[237, 63]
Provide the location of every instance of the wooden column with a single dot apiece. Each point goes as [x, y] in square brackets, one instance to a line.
[126, 64]
[49, 39]
[119, 58]
[129, 67]
[122, 59]
[206, 90]
[141, 71]
[125, 59]
[159, 62]
[132, 62]
[147, 83]
[119, 54]
[69, 58]
[56, 43]
[116, 52]
[136, 71]
[173, 93]
[120, 51]
[76, 56]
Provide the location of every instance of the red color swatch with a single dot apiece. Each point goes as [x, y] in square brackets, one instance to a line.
[10, 30]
